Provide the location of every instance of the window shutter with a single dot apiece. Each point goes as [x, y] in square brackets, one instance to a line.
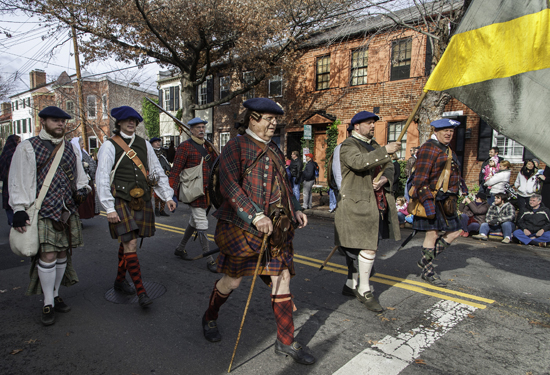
[176, 98]
[209, 90]
[171, 98]
[160, 97]
[485, 141]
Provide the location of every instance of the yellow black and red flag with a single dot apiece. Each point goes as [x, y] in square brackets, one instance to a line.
[498, 64]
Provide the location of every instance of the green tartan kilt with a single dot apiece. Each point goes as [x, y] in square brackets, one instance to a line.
[133, 224]
[53, 241]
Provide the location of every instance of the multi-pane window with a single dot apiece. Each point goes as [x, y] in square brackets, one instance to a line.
[92, 143]
[224, 138]
[28, 102]
[18, 122]
[276, 86]
[359, 63]
[508, 148]
[24, 121]
[69, 106]
[401, 59]
[394, 130]
[104, 106]
[91, 104]
[224, 87]
[202, 96]
[167, 99]
[322, 73]
[248, 78]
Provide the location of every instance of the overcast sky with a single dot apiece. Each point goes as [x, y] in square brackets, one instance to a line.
[30, 47]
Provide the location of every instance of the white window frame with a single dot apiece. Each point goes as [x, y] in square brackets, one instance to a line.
[167, 99]
[225, 86]
[224, 138]
[88, 106]
[70, 111]
[104, 110]
[508, 148]
[90, 148]
[273, 79]
[394, 130]
[203, 93]
[248, 77]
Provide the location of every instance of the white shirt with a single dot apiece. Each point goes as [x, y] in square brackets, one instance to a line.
[106, 162]
[22, 178]
[336, 167]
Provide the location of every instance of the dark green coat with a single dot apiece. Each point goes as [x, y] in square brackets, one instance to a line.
[356, 222]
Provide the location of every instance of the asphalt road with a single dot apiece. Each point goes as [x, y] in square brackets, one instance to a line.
[493, 319]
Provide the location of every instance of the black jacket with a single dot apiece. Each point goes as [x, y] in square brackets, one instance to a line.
[535, 221]
[296, 167]
[309, 171]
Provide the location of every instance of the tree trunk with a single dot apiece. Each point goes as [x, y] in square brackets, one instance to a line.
[432, 107]
[187, 98]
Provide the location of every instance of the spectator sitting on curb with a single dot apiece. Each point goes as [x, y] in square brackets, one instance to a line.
[473, 213]
[402, 213]
[534, 223]
[500, 216]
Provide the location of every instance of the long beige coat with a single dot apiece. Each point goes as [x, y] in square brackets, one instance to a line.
[356, 223]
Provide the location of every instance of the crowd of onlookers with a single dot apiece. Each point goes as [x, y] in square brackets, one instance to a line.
[500, 208]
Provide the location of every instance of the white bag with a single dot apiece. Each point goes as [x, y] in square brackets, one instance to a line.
[191, 184]
[26, 244]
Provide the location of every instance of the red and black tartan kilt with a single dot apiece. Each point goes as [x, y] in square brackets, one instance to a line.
[239, 252]
[133, 224]
[87, 209]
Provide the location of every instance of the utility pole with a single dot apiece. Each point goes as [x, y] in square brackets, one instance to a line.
[83, 114]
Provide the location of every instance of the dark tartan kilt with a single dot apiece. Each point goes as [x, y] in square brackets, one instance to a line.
[438, 223]
[239, 252]
[133, 224]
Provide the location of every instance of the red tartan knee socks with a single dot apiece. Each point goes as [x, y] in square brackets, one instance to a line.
[121, 273]
[216, 301]
[132, 264]
[282, 308]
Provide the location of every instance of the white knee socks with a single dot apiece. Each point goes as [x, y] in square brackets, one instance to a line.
[60, 267]
[366, 262]
[47, 275]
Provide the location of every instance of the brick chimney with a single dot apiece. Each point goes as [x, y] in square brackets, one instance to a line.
[37, 78]
[6, 108]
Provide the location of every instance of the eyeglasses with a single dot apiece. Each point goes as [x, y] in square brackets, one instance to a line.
[271, 120]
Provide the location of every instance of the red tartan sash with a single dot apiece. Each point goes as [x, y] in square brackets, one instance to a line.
[381, 201]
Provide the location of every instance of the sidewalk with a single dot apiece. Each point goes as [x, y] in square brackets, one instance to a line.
[320, 209]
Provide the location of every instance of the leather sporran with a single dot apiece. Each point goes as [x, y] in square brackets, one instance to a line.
[449, 205]
[281, 226]
[137, 203]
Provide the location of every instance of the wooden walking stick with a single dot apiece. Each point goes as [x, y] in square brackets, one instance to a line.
[328, 258]
[262, 249]
[404, 131]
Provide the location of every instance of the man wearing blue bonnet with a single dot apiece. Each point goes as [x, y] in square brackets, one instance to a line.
[59, 226]
[127, 172]
[366, 208]
[433, 159]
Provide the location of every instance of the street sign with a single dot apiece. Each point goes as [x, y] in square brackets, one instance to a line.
[307, 132]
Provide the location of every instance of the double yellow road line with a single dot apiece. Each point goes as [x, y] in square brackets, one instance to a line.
[412, 285]
[398, 282]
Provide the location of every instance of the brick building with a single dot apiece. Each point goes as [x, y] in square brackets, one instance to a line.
[369, 66]
[101, 94]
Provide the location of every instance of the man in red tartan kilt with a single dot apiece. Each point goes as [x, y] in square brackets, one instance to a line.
[430, 164]
[258, 201]
[190, 154]
[127, 169]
